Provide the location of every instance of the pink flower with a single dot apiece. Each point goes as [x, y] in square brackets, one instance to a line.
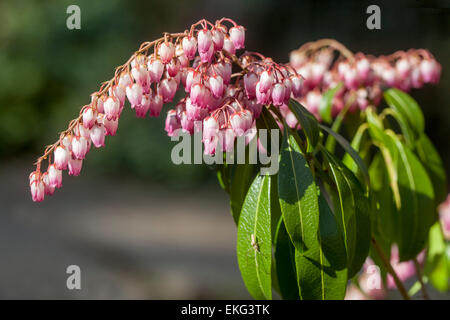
[134, 94]
[48, 189]
[403, 68]
[79, 147]
[241, 121]
[166, 52]
[172, 123]
[265, 81]
[75, 167]
[112, 108]
[155, 69]
[193, 111]
[192, 78]
[186, 124]
[98, 103]
[111, 126]
[54, 176]
[189, 47]
[119, 93]
[156, 105]
[37, 189]
[250, 81]
[224, 70]
[141, 76]
[218, 39]
[198, 95]
[207, 55]
[228, 45]
[363, 69]
[210, 128]
[278, 94]
[173, 67]
[430, 70]
[297, 86]
[262, 97]
[89, 117]
[142, 108]
[204, 40]
[167, 89]
[61, 156]
[237, 35]
[98, 133]
[313, 99]
[227, 137]
[216, 85]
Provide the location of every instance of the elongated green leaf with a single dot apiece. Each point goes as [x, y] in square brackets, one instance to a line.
[326, 103]
[298, 195]
[242, 178]
[321, 270]
[433, 164]
[308, 122]
[348, 148]
[254, 243]
[407, 107]
[384, 222]
[416, 212]
[407, 132]
[285, 264]
[437, 267]
[352, 212]
[360, 144]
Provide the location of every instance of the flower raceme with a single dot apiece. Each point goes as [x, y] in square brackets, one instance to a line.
[325, 63]
[201, 60]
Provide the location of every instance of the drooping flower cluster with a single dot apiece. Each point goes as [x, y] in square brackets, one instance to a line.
[326, 63]
[200, 60]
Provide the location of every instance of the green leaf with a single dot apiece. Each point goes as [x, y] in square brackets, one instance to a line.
[405, 105]
[352, 213]
[308, 122]
[242, 178]
[298, 195]
[326, 103]
[416, 213]
[285, 264]
[438, 262]
[348, 148]
[384, 224]
[433, 164]
[254, 243]
[321, 270]
[360, 145]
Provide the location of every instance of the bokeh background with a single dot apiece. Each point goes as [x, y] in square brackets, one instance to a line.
[136, 224]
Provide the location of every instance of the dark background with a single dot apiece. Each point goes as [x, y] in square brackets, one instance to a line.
[141, 226]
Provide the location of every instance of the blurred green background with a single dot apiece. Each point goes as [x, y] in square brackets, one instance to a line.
[48, 71]
[138, 225]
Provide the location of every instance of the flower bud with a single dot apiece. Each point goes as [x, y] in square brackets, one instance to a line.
[265, 81]
[155, 69]
[193, 111]
[142, 108]
[167, 89]
[186, 124]
[198, 95]
[112, 108]
[156, 105]
[216, 85]
[98, 133]
[297, 86]
[193, 77]
[75, 167]
[204, 40]
[54, 176]
[48, 189]
[250, 81]
[79, 147]
[134, 94]
[237, 35]
[228, 45]
[88, 117]
[218, 39]
[226, 138]
[37, 189]
[278, 94]
[430, 70]
[224, 70]
[111, 126]
[189, 47]
[166, 52]
[207, 55]
[61, 156]
[173, 67]
[262, 97]
[172, 124]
